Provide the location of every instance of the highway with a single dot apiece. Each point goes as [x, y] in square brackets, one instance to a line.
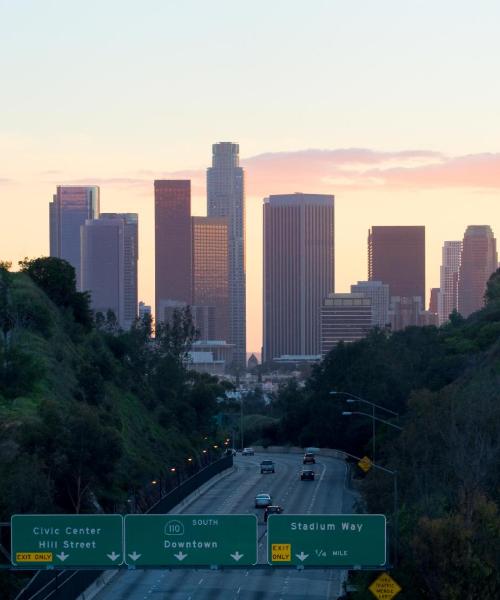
[234, 494]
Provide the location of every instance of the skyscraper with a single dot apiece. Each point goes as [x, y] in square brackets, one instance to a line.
[378, 293]
[70, 208]
[109, 265]
[478, 261]
[346, 318]
[298, 271]
[396, 255]
[226, 198]
[172, 244]
[448, 280]
[211, 270]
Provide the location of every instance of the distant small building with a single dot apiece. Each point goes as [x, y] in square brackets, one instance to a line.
[344, 318]
[252, 362]
[144, 309]
[408, 312]
[211, 356]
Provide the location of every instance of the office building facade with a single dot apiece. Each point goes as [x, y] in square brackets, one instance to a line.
[396, 256]
[298, 272]
[226, 198]
[70, 208]
[378, 293]
[478, 261]
[173, 262]
[109, 265]
[344, 318]
[448, 280]
[210, 271]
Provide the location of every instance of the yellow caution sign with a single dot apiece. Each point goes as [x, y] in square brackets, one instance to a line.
[365, 464]
[384, 587]
[33, 557]
[281, 552]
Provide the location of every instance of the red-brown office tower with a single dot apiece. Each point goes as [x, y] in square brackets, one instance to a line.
[479, 260]
[172, 244]
[396, 255]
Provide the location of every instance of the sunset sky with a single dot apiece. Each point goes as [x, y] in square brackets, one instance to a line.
[392, 106]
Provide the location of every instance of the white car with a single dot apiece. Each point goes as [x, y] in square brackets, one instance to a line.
[263, 500]
[248, 452]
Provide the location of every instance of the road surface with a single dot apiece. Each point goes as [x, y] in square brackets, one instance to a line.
[234, 494]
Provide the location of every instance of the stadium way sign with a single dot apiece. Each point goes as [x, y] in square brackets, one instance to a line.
[201, 540]
[66, 540]
[327, 540]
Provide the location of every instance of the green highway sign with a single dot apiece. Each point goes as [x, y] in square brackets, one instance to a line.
[201, 540]
[66, 540]
[326, 540]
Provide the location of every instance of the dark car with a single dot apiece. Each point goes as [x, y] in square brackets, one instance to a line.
[273, 509]
[307, 475]
[266, 466]
[309, 458]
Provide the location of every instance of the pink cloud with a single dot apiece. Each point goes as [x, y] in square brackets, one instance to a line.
[332, 171]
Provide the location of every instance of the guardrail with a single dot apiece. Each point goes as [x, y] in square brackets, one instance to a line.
[69, 584]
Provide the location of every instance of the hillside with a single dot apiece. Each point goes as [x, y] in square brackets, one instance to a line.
[88, 413]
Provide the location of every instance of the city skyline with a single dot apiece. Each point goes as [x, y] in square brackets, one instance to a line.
[408, 156]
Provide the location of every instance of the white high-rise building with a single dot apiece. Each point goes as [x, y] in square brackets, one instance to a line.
[226, 198]
[448, 286]
[378, 292]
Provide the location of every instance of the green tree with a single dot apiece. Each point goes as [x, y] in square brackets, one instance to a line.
[56, 277]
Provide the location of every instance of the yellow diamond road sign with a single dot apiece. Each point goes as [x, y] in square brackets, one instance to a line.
[384, 587]
[365, 463]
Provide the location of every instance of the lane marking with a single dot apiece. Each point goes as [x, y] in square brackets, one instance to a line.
[313, 499]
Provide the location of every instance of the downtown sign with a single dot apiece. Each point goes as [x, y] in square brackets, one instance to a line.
[154, 541]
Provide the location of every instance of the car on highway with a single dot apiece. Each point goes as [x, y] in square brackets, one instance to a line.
[263, 500]
[273, 509]
[309, 458]
[266, 466]
[247, 452]
[307, 475]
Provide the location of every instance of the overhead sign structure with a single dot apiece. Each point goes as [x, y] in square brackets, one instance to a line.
[327, 540]
[66, 540]
[384, 587]
[365, 464]
[200, 540]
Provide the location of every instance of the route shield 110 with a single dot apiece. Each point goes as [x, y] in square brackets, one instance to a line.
[66, 540]
[194, 540]
[326, 540]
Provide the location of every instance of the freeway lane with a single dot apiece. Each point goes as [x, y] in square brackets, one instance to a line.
[234, 494]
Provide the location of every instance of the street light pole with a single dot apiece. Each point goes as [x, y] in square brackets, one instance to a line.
[396, 502]
[353, 398]
[241, 420]
[349, 413]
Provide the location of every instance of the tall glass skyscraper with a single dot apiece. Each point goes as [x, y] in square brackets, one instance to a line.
[210, 271]
[478, 261]
[226, 198]
[70, 208]
[109, 264]
[448, 280]
[298, 272]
